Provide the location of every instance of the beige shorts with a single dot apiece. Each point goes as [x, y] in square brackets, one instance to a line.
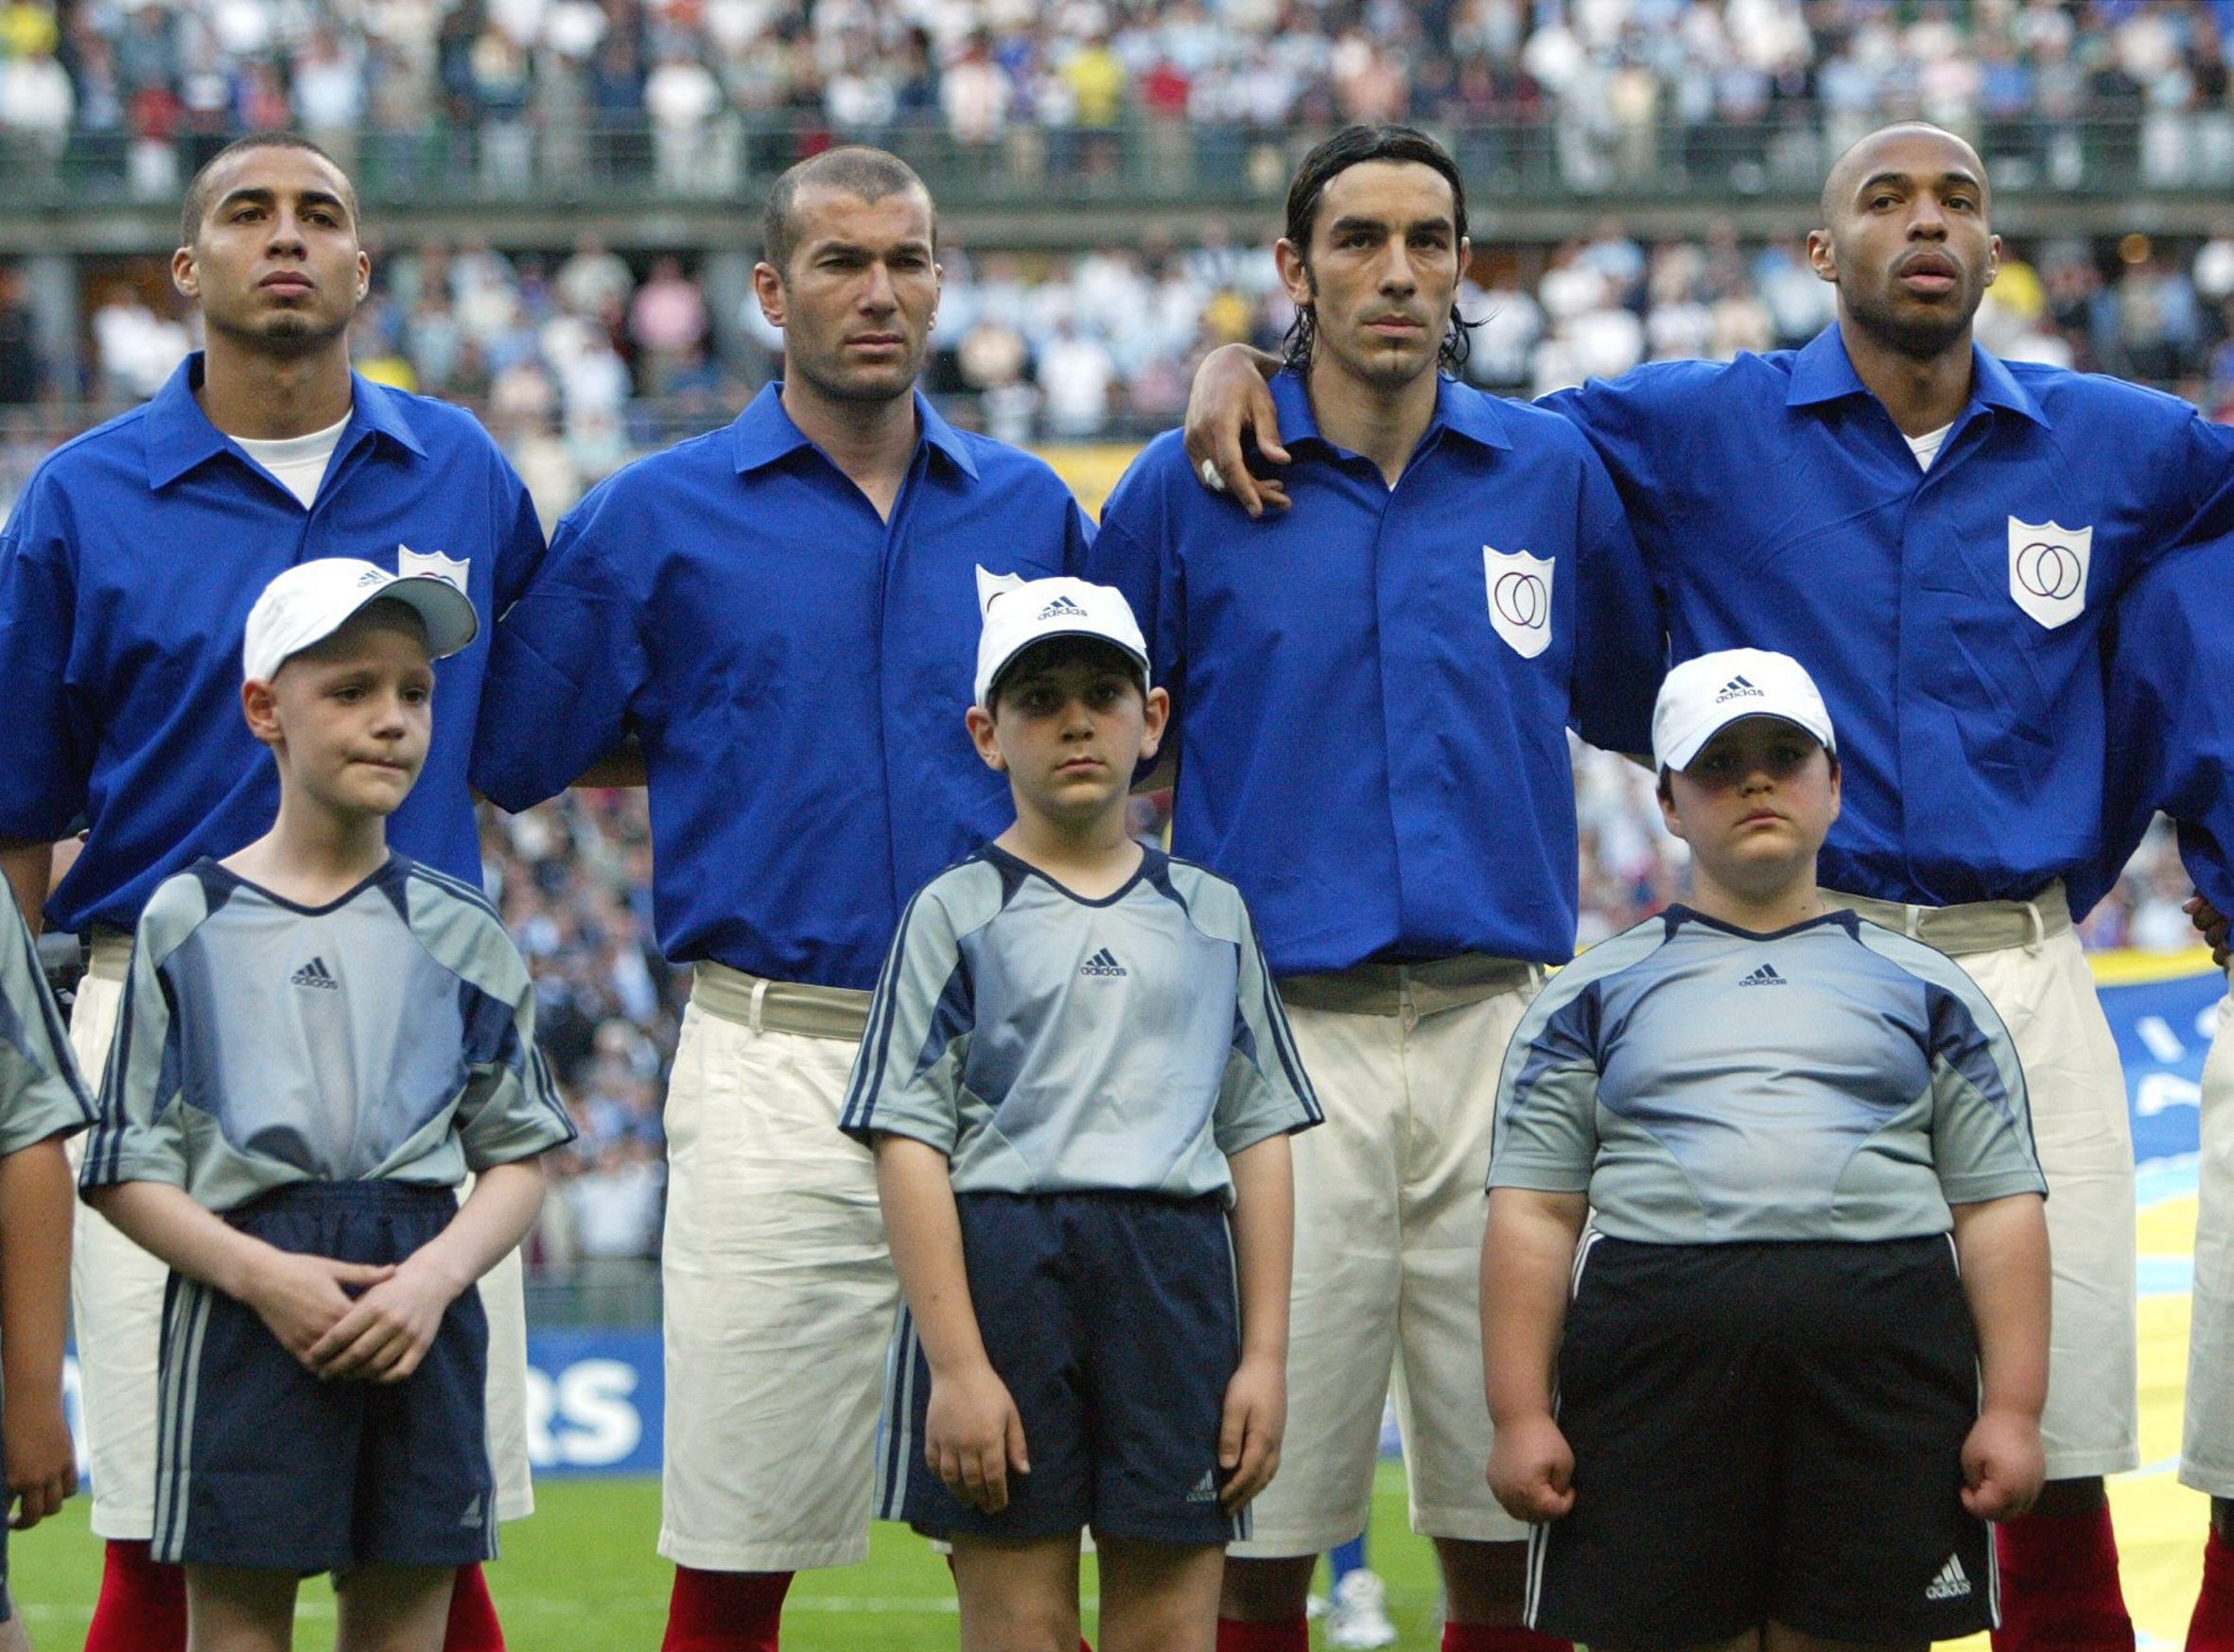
[2207, 1438]
[116, 1306]
[1390, 1215]
[779, 1303]
[2045, 992]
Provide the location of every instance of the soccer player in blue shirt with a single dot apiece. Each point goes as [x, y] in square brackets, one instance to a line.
[126, 573]
[2171, 696]
[1939, 535]
[1372, 699]
[779, 612]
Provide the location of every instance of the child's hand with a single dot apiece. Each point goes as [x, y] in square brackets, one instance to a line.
[387, 1330]
[1532, 1469]
[972, 1436]
[1249, 1433]
[2002, 1464]
[42, 1462]
[302, 1297]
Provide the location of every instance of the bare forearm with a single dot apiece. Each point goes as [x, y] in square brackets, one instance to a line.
[487, 1228]
[2002, 1247]
[1528, 1256]
[38, 1196]
[166, 1222]
[28, 864]
[925, 1232]
[1263, 1225]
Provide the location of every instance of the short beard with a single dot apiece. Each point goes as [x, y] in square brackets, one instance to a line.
[1921, 339]
[284, 336]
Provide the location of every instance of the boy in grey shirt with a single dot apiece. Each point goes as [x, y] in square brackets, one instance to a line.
[319, 1039]
[1079, 1085]
[1782, 1408]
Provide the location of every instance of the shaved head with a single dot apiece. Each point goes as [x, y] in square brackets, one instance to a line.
[1860, 160]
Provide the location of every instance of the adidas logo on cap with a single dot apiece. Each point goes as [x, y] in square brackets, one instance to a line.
[1738, 689]
[1952, 1583]
[316, 974]
[1102, 963]
[1765, 976]
[1062, 607]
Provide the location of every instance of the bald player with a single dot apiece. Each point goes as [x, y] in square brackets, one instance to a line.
[127, 573]
[1942, 538]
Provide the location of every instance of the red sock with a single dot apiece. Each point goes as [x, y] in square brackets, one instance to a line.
[2212, 1629]
[1290, 1635]
[143, 1603]
[1499, 1638]
[473, 1625]
[2059, 1584]
[725, 1612]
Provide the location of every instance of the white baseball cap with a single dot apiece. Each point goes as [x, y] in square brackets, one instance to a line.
[313, 599]
[1702, 697]
[1022, 613]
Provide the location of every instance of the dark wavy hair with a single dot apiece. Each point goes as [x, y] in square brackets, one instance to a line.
[1352, 147]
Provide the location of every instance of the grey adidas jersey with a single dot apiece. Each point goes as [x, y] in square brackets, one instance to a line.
[1048, 1043]
[1833, 1080]
[41, 1094]
[389, 1035]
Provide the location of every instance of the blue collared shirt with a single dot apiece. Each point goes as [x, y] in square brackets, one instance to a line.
[2171, 702]
[1952, 616]
[127, 573]
[1373, 690]
[797, 669]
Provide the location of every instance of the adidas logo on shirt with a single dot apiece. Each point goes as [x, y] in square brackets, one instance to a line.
[1952, 1583]
[1206, 1490]
[1102, 963]
[1062, 608]
[316, 974]
[1739, 688]
[1765, 976]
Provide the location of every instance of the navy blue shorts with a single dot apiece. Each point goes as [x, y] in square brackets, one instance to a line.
[259, 1463]
[1113, 1321]
[1766, 1431]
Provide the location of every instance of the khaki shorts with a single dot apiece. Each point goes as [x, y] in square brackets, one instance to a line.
[116, 1306]
[2026, 959]
[1390, 1215]
[2207, 1440]
[780, 1297]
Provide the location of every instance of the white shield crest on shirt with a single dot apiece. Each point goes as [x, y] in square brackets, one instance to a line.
[990, 584]
[452, 569]
[1520, 598]
[2048, 570]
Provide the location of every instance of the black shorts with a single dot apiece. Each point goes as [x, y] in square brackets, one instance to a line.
[1112, 1318]
[1765, 1433]
[259, 1463]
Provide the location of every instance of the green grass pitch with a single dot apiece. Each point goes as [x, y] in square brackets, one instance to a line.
[581, 1576]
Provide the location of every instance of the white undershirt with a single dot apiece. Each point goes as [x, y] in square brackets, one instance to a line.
[1926, 447]
[298, 462]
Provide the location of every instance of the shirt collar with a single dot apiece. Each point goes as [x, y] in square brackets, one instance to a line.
[180, 435]
[764, 432]
[1457, 409]
[1824, 372]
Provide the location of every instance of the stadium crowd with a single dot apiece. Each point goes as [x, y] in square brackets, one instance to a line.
[676, 88]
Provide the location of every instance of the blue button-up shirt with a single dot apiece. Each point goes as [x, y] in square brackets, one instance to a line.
[1373, 690]
[127, 573]
[1952, 616]
[2171, 702]
[797, 669]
